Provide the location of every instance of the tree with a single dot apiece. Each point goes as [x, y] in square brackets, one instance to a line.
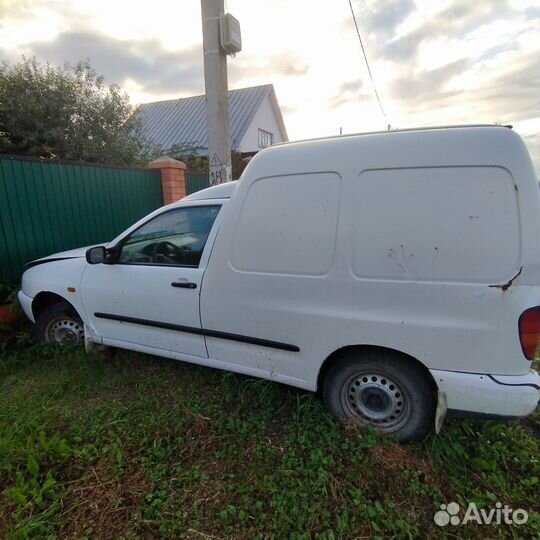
[68, 113]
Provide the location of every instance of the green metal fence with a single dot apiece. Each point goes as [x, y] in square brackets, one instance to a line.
[47, 207]
[196, 182]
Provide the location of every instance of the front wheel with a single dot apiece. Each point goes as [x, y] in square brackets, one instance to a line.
[382, 390]
[59, 324]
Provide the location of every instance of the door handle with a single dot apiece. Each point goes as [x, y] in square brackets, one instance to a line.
[184, 284]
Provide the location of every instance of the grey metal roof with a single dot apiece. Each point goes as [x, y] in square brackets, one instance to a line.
[183, 121]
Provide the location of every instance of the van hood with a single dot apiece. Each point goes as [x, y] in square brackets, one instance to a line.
[77, 253]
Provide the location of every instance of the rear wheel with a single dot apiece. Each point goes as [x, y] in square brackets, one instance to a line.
[382, 390]
[59, 324]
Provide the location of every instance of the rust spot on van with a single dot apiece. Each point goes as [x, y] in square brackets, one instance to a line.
[506, 286]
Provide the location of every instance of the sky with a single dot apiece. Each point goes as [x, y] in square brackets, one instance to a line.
[434, 62]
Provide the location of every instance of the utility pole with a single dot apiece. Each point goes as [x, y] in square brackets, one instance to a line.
[216, 36]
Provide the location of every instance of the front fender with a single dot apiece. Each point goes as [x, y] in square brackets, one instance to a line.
[61, 277]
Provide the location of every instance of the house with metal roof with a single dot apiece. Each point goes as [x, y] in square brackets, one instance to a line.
[255, 121]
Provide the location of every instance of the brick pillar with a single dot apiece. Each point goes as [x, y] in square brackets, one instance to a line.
[173, 178]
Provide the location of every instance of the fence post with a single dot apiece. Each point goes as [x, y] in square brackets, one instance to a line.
[173, 178]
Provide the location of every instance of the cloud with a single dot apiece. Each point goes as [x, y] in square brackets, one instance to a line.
[146, 62]
[427, 85]
[455, 21]
[349, 92]
[153, 69]
[513, 92]
[16, 8]
[9, 56]
[383, 17]
[351, 86]
[287, 109]
[248, 66]
[508, 96]
[380, 18]
[496, 50]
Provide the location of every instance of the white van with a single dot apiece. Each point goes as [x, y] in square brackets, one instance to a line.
[397, 273]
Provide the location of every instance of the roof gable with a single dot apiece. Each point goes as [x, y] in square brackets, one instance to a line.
[183, 121]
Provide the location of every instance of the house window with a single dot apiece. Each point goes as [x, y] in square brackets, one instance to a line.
[265, 138]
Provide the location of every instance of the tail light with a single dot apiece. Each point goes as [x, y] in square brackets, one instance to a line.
[529, 331]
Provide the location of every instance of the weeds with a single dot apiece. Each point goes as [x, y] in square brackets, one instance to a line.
[119, 445]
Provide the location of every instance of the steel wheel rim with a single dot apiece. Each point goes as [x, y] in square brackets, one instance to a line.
[377, 400]
[64, 330]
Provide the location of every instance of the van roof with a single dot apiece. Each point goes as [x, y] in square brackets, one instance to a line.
[384, 132]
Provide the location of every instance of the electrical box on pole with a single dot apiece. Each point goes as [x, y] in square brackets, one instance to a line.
[231, 38]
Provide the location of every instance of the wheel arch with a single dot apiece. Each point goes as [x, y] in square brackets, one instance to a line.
[337, 355]
[44, 299]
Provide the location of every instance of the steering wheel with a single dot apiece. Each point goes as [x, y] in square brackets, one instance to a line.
[171, 250]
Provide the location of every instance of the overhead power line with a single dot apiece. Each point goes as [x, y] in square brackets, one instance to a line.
[367, 64]
[533, 106]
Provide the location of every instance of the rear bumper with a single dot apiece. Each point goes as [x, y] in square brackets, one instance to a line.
[26, 304]
[492, 395]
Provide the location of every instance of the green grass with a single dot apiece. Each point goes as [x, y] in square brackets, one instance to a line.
[119, 445]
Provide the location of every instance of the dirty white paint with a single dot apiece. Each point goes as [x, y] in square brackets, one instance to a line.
[388, 239]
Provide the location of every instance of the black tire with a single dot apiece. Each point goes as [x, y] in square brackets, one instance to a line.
[383, 390]
[59, 324]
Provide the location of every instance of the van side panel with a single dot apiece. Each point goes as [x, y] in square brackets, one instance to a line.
[436, 223]
[281, 231]
[469, 192]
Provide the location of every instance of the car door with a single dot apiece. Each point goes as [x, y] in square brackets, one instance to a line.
[150, 296]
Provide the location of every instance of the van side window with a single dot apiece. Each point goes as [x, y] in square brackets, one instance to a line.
[174, 238]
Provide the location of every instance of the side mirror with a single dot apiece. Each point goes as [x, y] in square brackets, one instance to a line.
[96, 255]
